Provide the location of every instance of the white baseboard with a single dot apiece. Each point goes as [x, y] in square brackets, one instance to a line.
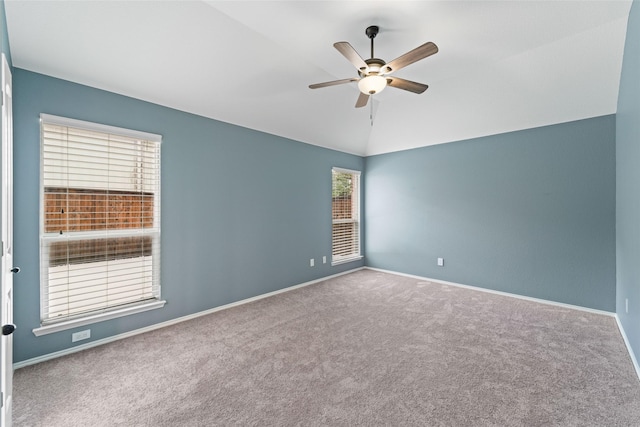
[107, 340]
[629, 349]
[542, 301]
[491, 291]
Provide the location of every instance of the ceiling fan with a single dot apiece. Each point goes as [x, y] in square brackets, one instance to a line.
[374, 73]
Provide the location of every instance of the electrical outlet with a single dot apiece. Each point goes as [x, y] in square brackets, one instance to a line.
[312, 262]
[440, 262]
[626, 305]
[324, 259]
[82, 335]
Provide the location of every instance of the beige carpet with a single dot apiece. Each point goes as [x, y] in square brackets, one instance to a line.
[366, 349]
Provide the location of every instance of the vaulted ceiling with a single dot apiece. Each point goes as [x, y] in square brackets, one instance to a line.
[501, 65]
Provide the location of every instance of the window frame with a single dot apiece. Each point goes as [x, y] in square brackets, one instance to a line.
[357, 255]
[48, 325]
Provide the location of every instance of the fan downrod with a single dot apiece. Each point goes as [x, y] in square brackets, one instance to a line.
[372, 32]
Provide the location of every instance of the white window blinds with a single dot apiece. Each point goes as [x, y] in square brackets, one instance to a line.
[345, 215]
[100, 218]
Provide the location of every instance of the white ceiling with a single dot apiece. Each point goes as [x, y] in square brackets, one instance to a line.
[502, 65]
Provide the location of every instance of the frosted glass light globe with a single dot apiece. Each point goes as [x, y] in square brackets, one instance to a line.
[371, 85]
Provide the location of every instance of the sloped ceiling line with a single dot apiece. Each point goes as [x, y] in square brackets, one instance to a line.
[233, 61]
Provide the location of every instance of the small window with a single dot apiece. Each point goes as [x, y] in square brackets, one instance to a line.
[345, 216]
[100, 219]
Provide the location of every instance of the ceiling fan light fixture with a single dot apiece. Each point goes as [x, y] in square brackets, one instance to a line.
[373, 73]
[370, 85]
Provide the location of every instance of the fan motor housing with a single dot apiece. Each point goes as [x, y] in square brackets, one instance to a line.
[373, 63]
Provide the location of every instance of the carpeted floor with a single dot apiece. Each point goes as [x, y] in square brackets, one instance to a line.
[367, 348]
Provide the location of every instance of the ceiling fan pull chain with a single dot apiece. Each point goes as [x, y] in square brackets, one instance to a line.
[371, 113]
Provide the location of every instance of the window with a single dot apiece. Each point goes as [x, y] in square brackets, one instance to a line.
[345, 216]
[100, 222]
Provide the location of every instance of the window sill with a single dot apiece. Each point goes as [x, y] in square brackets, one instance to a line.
[100, 317]
[346, 260]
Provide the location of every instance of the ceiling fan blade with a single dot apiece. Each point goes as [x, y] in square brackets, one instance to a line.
[362, 100]
[406, 85]
[350, 53]
[332, 83]
[410, 57]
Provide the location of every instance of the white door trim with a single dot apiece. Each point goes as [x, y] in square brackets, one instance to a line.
[6, 228]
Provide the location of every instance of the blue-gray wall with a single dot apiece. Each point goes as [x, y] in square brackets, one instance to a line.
[529, 212]
[628, 184]
[242, 211]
